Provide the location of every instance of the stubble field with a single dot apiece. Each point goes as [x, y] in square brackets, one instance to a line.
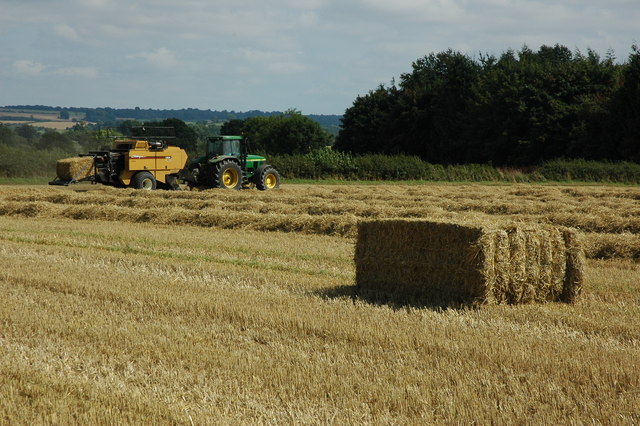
[222, 306]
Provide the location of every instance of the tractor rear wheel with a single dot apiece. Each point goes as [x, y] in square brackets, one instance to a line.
[268, 178]
[228, 175]
[191, 175]
[143, 180]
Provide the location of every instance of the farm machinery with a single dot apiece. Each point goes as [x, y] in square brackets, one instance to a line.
[226, 164]
[150, 162]
[141, 163]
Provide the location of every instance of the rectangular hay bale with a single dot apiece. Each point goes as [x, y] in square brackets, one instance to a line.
[74, 168]
[461, 262]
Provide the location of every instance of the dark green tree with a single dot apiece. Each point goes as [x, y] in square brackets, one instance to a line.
[185, 136]
[434, 101]
[85, 137]
[52, 139]
[7, 135]
[521, 108]
[100, 115]
[426, 115]
[368, 125]
[288, 133]
[126, 127]
[540, 105]
[28, 132]
[232, 127]
[204, 130]
[624, 124]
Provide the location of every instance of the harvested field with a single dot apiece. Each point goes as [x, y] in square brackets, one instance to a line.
[223, 307]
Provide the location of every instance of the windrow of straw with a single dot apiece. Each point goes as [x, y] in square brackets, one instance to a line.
[435, 262]
[614, 211]
[612, 246]
[315, 225]
[74, 168]
[609, 217]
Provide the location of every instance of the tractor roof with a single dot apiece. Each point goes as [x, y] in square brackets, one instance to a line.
[226, 138]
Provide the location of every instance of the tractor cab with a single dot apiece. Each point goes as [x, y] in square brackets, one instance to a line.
[225, 145]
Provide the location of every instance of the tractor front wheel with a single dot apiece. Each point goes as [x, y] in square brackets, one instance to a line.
[228, 175]
[143, 180]
[268, 178]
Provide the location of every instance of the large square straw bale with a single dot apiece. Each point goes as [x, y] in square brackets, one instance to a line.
[462, 262]
[74, 168]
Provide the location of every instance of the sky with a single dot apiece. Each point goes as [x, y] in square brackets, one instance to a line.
[315, 56]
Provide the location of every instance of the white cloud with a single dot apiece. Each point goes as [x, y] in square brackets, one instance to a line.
[85, 72]
[161, 57]
[306, 4]
[32, 68]
[418, 10]
[95, 4]
[66, 32]
[29, 67]
[279, 62]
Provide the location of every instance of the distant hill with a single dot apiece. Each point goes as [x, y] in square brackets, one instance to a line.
[107, 114]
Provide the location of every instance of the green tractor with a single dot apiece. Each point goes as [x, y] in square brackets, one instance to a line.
[227, 165]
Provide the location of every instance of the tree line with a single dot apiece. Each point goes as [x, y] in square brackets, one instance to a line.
[521, 108]
[286, 133]
[112, 116]
[25, 136]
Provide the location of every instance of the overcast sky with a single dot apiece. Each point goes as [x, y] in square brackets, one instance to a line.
[312, 55]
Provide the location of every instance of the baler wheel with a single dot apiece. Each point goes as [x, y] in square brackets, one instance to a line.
[143, 180]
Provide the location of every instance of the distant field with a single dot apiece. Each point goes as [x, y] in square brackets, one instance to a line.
[57, 125]
[30, 115]
[217, 306]
[48, 120]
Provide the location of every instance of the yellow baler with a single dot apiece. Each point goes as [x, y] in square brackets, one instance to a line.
[161, 161]
[139, 163]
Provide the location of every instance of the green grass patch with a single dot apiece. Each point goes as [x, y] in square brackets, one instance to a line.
[590, 171]
[327, 166]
